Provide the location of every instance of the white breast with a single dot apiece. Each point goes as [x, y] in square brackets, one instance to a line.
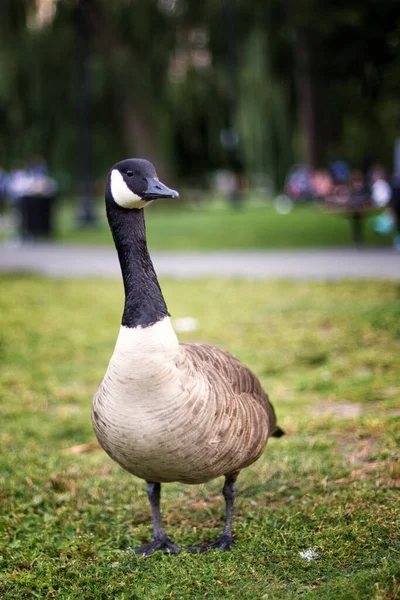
[140, 376]
[138, 412]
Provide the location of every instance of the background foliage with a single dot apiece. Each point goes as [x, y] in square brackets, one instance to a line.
[162, 79]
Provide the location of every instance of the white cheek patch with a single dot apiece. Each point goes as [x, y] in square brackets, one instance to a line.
[122, 194]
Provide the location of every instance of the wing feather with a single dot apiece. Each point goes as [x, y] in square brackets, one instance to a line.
[227, 372]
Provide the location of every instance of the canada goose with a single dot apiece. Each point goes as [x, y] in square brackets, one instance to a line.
[167, 411]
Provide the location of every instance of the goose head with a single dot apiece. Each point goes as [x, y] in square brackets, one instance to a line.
[133, 183]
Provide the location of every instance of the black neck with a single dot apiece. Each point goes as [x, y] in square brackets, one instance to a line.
[144, 302]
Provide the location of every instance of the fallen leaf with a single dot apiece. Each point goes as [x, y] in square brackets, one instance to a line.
[81, 448]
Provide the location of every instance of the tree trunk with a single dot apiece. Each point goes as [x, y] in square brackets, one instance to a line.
[306, 98]
[140, 136]
[141, 140]
[86, 216]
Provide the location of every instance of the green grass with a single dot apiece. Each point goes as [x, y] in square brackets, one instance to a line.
[328, 353]
[218, 227]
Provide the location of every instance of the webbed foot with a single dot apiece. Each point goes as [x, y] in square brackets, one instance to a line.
[164, 544]
[225, 543]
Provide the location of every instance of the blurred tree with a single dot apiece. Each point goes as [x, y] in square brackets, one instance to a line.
[264, 114]
[345, 68]
[310, 80]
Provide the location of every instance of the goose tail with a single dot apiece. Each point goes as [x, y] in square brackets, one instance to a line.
[278, 432]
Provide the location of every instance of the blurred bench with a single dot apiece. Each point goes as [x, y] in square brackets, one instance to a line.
[355, 208]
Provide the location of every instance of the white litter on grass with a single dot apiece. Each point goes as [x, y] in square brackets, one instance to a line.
[185, 324]
[309, 554]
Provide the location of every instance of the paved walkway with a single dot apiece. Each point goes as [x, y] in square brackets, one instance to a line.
[58, 260]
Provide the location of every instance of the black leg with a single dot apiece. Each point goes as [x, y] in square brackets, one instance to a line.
[226, 541]
[161, 540]
[229, 493]
[154, 494]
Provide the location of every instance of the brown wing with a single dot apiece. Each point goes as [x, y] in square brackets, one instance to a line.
[224, 370]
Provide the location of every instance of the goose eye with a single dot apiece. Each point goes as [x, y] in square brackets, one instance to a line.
[129, 173]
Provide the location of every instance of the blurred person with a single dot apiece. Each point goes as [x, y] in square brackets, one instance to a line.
[381, 191]
[3, 184]
[237, 185]
[395, 201]
[341, 195]
[340, 171]
[40, 181]
[17, 184]
[236, 190]
[26, 185]
[38, 166]
[359, 188]
[16, 187]
[321, 183]
[381, 194]
[31, 180]
[395, 207]
[298, 182]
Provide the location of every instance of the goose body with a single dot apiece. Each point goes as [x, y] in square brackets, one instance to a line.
[167, 411]
[190, 412]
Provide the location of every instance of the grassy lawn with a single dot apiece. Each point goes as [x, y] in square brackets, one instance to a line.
[218, 227]
[328, 353]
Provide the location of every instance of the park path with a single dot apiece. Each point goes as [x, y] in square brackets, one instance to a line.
[65, 260]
